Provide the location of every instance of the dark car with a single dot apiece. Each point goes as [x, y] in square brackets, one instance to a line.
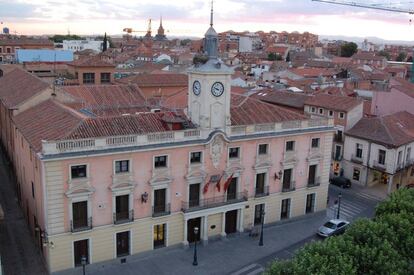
[341, 182]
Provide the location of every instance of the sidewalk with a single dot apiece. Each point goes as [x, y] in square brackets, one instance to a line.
[219, 257]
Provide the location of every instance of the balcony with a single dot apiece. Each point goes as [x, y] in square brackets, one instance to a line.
[213, 202]
[356, 159]
[379, 166]
[288, 187]
[339, 138]
[337, 157]
[161, 210]
[314, 182]
[123, 217]
[262, 192]
[80, 225]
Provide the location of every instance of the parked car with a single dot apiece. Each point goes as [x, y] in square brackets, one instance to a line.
[341, 182]
[333, 227]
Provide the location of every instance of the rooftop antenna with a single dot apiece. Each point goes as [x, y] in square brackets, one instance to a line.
[211, 16]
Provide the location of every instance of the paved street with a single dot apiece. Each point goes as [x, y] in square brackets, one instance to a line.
[18, 253]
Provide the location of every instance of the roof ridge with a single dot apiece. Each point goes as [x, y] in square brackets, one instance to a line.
[387, 130]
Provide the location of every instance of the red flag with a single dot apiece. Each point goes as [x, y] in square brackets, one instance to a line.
[218, 183]
[227, 183]
[205, 188]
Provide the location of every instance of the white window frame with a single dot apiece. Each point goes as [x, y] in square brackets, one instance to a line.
[115, 194]
[329, 113]
[130, 242]
[201, 159]
[122, 173]
[319, 143]
[89, 250]
[76, 199]
[228, 153]
[267, 150]
[70, 171]
[166, 233]
[341, 115]
[294, 146]
[319, 111]
[314, 206]
[161, 155]
[290, 208]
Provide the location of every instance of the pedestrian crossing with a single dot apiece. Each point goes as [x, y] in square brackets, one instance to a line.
[253, 269]
[349, 210]
[368, 196]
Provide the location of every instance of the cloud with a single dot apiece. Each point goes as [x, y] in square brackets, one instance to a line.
[91, 16]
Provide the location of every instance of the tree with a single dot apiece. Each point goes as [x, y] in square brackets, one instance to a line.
[348, 49]
[58, 38]
[401, 57]
[384, 54]
[274, 57]
[383, 245]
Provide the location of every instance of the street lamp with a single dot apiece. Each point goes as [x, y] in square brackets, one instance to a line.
[261, 232]
[83, 262]
[195, 262]
[339, 205]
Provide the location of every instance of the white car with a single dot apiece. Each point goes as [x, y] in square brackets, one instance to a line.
[333, 227]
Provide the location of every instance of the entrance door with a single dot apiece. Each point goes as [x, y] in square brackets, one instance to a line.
[232, 190]
[191, 237]
[122, 244]
[231, 222]
[258, 210]
[338, 150]
[80, 249]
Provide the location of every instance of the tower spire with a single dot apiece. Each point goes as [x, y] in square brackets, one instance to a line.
[211, 16]
[161, 20]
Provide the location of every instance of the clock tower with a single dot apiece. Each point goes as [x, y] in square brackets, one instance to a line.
[209, 86]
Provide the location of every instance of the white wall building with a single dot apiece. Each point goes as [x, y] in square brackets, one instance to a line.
[80, 45]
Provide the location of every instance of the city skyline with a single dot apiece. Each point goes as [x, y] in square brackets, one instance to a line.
[189, 18]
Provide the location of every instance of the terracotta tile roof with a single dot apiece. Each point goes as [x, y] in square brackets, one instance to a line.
[341, 60]
[314, 72]
[26, 42]
[51, 120]
[18, 86]
[337, 103]
[122, 125]
[246, 111]
[157, 80]
[288, 99]
[48, 120]
[90, 61]
[106, 95]
[368, 56]
[403, 86]
[391, 131]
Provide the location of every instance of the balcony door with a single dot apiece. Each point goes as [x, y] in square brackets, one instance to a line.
[80, 214]
[312, 174]
[122, 207]
[159, 200]
[260, 183]
[194, 197]
[232, 190]
[287, 178]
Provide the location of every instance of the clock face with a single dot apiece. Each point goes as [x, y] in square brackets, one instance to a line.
[196, 87]
[217, 89]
